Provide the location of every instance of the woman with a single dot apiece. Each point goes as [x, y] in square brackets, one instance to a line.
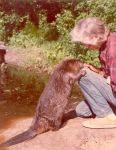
[98, 85]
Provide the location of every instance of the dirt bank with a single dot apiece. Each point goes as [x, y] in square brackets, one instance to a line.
[14, 58]
[71, 137]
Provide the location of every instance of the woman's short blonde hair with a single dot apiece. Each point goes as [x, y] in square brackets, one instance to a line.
[87, 28]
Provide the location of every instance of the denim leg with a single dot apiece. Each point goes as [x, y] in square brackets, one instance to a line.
[83, 109]
[97, 93]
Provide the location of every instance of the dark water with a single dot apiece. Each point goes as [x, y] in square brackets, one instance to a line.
[20, 94]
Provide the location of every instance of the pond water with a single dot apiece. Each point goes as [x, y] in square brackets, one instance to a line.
[20, 95]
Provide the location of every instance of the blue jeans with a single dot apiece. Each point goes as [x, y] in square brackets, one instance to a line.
[98, 95]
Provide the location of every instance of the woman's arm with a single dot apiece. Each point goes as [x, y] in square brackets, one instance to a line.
[97, 70]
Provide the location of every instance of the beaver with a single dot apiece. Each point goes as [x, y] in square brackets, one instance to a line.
[53, 101]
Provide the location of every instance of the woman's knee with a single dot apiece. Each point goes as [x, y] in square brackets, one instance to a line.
[83, 110]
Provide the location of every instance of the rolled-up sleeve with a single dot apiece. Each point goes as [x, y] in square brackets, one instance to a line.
[113, 73]
[112, 62]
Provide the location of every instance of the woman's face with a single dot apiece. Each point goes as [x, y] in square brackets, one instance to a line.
[93, 43]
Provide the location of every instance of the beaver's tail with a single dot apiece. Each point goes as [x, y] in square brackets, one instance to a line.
[27, 135]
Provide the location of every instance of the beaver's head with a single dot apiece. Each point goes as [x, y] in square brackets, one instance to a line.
[71, 65]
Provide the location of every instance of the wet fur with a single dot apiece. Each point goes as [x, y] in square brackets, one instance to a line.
[52, 102]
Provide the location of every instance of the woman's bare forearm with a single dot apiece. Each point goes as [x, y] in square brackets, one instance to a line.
[97, 70]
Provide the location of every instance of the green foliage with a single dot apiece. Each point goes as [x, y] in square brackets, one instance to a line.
[8, 23]
[1, 27]
[56, 51]
[64, 22]
[53, 38]
[105, 10]
[28, 37]
[62, 48]
[31, 35]
[90, 57]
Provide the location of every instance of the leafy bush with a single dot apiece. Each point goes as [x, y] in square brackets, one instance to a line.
[1, 27]
[64, 22]
[53, 38]
[28, 37]
[105, 10]
[57, 50]
[8, 24]
[31, 35]
[63, 47]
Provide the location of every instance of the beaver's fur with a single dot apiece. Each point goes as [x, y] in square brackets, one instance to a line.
[53, 100]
